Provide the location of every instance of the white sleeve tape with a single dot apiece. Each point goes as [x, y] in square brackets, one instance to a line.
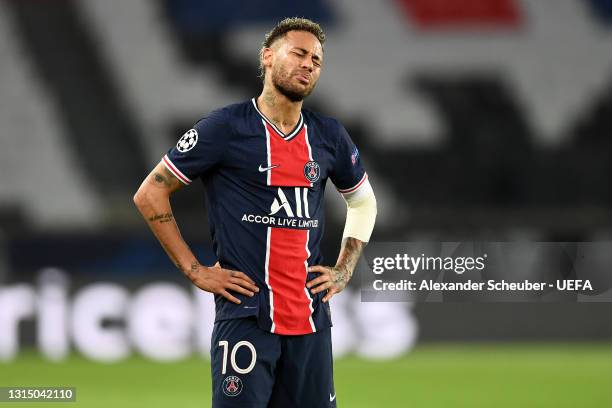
[361, 213]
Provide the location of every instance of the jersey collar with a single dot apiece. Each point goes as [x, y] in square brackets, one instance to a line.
[287, 136]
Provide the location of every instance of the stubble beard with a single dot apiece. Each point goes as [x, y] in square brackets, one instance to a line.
[282, 82]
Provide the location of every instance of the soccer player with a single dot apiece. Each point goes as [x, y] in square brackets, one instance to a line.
[264, 164]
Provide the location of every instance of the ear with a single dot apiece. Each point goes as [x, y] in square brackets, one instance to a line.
[267, 57]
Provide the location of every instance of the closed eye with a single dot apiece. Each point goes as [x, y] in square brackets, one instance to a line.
[302, 53]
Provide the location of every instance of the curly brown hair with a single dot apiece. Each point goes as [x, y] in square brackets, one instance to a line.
[282, 28]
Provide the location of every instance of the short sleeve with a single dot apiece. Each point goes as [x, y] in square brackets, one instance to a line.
[200, 148]
[348, 173]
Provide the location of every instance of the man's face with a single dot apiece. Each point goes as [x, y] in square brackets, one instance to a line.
[295, 64]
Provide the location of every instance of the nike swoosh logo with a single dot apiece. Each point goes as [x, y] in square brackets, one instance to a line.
[249, 307]
[263, 169]
[332, 398]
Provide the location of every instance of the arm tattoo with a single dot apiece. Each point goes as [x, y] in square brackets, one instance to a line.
[162, 218]
[164, 179]
[191, 271]
[347, 261]
[161, 179]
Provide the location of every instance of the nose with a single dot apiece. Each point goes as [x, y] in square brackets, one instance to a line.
[307, 64]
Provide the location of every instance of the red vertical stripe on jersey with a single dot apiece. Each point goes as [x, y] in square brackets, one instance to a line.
[288, 158]
[287, 278]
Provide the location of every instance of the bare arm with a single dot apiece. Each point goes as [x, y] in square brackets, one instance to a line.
[334, 279]
[153, 201]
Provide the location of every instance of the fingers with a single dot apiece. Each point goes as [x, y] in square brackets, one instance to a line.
[317, 281]
[239, 278]
[241, 283]
[221, 281]
[235, 274]
[329, 294]
[244, 284]
[239, 289]
[322, 287]
[323, 283]
[318, 268]
[229, 297]
[241, 275]
[320, 283]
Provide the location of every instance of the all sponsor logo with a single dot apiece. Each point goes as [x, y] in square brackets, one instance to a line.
[285, 214]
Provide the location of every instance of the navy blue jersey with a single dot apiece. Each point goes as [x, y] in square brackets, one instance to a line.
[264, 193]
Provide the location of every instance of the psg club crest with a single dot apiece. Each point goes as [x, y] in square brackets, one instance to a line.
[187, 141]
[312, 171]
[232, 386]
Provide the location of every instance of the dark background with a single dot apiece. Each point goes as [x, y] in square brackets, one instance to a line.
[489, 120]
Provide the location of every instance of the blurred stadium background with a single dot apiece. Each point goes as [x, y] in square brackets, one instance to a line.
[477, 119]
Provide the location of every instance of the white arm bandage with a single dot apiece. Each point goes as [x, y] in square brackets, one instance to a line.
[361, 212]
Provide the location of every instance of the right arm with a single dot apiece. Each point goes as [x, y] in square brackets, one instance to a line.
[153, 201]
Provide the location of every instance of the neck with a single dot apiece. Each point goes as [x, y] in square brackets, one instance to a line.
[278, 108]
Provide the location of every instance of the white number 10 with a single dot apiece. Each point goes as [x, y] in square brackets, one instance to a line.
[225, 345]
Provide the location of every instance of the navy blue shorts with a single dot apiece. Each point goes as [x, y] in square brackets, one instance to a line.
[254, 368]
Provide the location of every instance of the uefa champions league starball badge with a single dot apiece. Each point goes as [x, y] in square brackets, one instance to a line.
[187, 141]
[312, 171]
[232, 386]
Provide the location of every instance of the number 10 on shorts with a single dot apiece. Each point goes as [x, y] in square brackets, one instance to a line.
[226, 349]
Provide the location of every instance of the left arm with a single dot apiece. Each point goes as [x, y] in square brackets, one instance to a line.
[360, 219]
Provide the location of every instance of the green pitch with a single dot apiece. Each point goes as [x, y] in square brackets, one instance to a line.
[477, 375]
